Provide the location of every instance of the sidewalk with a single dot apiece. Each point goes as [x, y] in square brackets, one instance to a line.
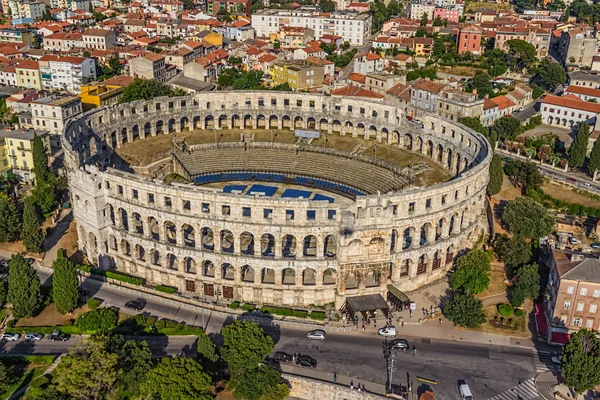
[550, 390]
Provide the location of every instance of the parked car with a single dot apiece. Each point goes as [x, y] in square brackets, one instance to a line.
[572, 240]
[572, 179]
[399, 344]
[465, 392]
[557, 360]
[135, 305]
[317, 334]
[10, 336]
[33, 337]
[306, 361]
[387, 331]
[595, 245]
[282, 356]
[59, 336]
[587, 185]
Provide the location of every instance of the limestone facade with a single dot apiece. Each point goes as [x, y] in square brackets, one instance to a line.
[247, 248]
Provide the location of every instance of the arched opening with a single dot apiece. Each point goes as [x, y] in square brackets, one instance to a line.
[155, 257]
[138, 225]
[189, 265]
[159, 127]
[352, 280]
[439, 153]
[289, 246]
[92, 242]
[227, 272]
[208, 240]
[111, 214]
[247, 274]
[140, 253]
[125, 248]
[309, 277]
[208, 269]
[171, 125]
[437, 260]
[189, 236]
[112, 242]
[154, 228]
[227, 245]
[329, 276]
[247, 243]
[439, 228]
[268, 276]
[124, 219]
[373, 278]
[394, 239]
[422, 265]
[267, 245]
[425, 229]
[171, 232]
[405, 267]
[407, 238]
[172, 261]
[330, 246]
[310, 246]
[288, 276]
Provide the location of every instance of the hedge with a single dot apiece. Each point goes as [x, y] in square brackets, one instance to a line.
[248, 307]
[234, 305]
[165, 289]
[570, 208]
[506, 310]
[112, 275]
[101, 319]
[46, 330]
[93, 303]
[284, 312]
[317, 315]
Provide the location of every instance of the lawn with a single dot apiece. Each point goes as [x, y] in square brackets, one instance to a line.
[25, 369]
[570, 196]
[50, 317]
[520, 324]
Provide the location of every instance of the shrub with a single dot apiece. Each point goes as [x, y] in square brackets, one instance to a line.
[234, 305]
[40, 382]
[248, 307]
[317, 315]
[11, 323]
[68, 322]
[150, 321]
[85, 268]
[140, 319]
[124, 278]
[165, 289]
[170, 324]
[506, 310]
[519, 312]
[101, 319]
[160, 324]
[93, 303]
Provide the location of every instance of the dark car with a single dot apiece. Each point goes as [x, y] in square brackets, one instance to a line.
[58, 335]
[398, 344]
[306, 361]
[595, 245]
[281, 356]
[135, 305]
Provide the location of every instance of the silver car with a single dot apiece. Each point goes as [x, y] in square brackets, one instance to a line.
[33, 337]
[317, 334]
[11, 337]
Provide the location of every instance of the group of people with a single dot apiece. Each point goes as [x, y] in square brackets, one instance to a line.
[359, 388]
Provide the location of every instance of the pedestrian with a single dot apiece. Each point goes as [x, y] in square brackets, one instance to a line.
[374, 323]
[432, 309]
[359, 388]
[402, 324]
[351, 384]
[440, 320]
[414, 350]
[334, 377]
[363, 326]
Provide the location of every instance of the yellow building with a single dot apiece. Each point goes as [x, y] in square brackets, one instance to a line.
[212, 37]
[298, 76]
[16, 151]
[104, 93]
[28, 74]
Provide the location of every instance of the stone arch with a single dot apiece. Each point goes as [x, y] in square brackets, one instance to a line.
[172, 261]
[408, 141]
[147, 129]
[418, 145]
[422, 264]
[407, 237]
[298, 122]
[437, 260]
[113, 139]
[123, 135]
[439, 153]
[125, 248]
[208, 269]
[454, 223]
[227, 241]
[209, 122]
[112, 242]
[189, 266]
[140, 253]
[154, 228]
[352, 280]
[189, 235]
[288, 276]
[124, 219]
[155, 257]
[273, 121]
[309, 249]
[355, 247]
[425, 233]
[311, 123]
[92, 243]
[289, 246]
[267, 245]
[373, 278]
[170, 232]
[171, 125]
[227, 272]
[159, 126]
[329, 276]
[286, 122]
[268, 276]
[439, 228]
[405, 267]
[247, 243]
[248, 274]
[261, 121]
[330, 246]
[183, 123]
[138, 224]
[208, 239]
[309, 277]
[449, 158]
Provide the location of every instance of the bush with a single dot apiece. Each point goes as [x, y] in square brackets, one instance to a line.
[40, 382]
[519, 312]
[165, 289]
[248, 307]
[101, 319]
[234, 305]
[68, 322]
[150, 321]
[317, 315]
[11, 323]
[160, 324]
[170, 324]
[85, 268]
[93, 303]
[140, 320]
[506, 310]
[124, 278]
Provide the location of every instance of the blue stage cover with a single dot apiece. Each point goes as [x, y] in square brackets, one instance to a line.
[234, 188]
[321, 197]
[296, 194]
[267, 190]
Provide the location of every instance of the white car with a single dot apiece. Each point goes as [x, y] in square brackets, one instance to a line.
[387, 331]
[317, 334]
[11, 337]
[33, 336]
[572, 240]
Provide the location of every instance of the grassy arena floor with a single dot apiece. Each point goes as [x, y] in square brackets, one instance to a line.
[146, 151]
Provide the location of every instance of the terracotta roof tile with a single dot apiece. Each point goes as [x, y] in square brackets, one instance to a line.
[571, 101]
[355, 91]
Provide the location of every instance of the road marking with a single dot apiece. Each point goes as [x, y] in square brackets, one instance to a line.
[524, 391]
[543, 361]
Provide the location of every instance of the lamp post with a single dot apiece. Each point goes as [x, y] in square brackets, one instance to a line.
[389, 363]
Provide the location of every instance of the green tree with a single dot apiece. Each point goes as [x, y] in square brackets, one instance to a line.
[578, 148]
[135, 360]
[24, 291]
[507, 127]
[47, 16]
[514, 251]
[496, 175]
[176, 378]
[437, 21]
[115, 65]
[328, 48]
[4, 377]
[327, 5]
[65, 285]
[345, 45]
[32, 234]
[3, 293]
[245, 345]
[464, 310]
[44, 195]
[207, 349]
[594, 161]
[99, 320]
[424, 19]
[144, 89]
[549, 74]
[523, 174]
[263, 381]
[482, 82]
[527, 218]
[40, 160]
[10, 221]
[88, 372]
[581, 361]
[496, 62]
[520, 54]
[188, 4]
[527, 284]
[472, 272]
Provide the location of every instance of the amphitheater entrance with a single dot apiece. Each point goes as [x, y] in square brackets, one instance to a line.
[267, 245]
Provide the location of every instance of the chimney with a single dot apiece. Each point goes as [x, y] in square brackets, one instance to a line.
[475, 91]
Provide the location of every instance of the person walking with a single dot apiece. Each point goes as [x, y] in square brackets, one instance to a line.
[334, 377]
[414, 350]
[351, 384]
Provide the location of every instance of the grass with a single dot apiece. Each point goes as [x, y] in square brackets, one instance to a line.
[248, 307]
[165, 289]
[26, 369]
[112, 275]
[571, 196]
[285, 312]
[185, 331]
[317, 315]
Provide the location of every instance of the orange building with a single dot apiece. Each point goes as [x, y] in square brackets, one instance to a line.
[469, 39]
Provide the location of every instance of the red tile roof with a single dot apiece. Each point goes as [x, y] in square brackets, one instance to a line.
[583, 90]
[355, 91]
[571, 101]
[356, 77]
[502, 102]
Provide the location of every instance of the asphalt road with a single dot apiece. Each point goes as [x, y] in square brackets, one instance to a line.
[487, 369]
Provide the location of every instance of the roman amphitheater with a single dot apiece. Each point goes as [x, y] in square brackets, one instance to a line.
[215, 195]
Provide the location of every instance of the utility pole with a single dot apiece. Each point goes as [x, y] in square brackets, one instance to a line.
[389, 363]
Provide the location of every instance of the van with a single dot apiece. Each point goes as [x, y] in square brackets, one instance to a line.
[465, 392]
[387, 331]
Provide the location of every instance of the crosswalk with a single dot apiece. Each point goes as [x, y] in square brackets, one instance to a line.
[543, 361]
[526, 390]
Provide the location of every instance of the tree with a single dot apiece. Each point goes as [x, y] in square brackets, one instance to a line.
[47, 16]
[437, 21]
[496, 175]
[188, 4]
[4, 377]
[523, 174]
[520, 54]
[135, 360]
[482, 82]
[176, 378]
[496, 62]
[345, 45]
[527, 284]
[115, 65]
[88, 372]
[327, 5]
[420, 32]
[578, 148]
[472, 273]
[24, 291]
[514, 251]
[507, 127]
[594, 161]
[99, 320]
[549, 74]
[328, 48]
[65, 286]
[207, 349]
[464, 310]
[144, 89]
[424, 19]
[32, 234]
[3, 294]
[581, 361]
[259, 384]
[245, 345]
[40, 160]
[10, 222]
[44, 195]
[527, 218]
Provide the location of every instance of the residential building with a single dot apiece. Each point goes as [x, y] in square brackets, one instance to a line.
[209, 67]
[28, 74]
[294, 37]
[447, 13]
[8, 75]
[399, 95]
[306, 52]
[170, 6]
[16, 151]
[490, 112]
[521, 95]
[27, 9]
[16, 35]
[505, 105]
[584, 93]
[424, 94]
[585, 79]
[572, 295]
[469, 39]
[368, 62]
[417, 10]
[329, 66]
[63, 41]
[351, 26]
[179, 57]
[381, 83]
[298, 75]
[51, 113]
[232, 6]
[356, 91]
[66, 73]
[595, 63]
[577, 47]
[105, 93]
[419, 45]
[100, 39]
[455, 104]
[567, 110]
[149, 66]
[538, 37]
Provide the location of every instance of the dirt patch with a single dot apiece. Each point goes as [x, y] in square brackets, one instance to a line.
[500, 200]
[567, 194]
[461, 71]
[50, 317]
[498, 280]
[494, 6]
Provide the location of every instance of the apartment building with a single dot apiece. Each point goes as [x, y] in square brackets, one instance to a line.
[63, 41]
[424, 95]
[417, 10]
[469, 39]
[8, 75]
[15, 35]
[171, 6]
[149, 66]
[585, 79]
[295, 37]
[27, 9]
[66, 73]
[16, 151]
[99, 39]
[572, 295]
[28, 74]
[447, 13]
[51, 113]
[538, 37]
[368, 62]
[578, 46]
[455, 104]
[105, 93]
[490, 112]
[567, 110]
[350, 25]
[298, 75]
[232, 6]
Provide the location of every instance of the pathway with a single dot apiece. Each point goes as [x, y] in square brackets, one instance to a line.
[19, 393]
